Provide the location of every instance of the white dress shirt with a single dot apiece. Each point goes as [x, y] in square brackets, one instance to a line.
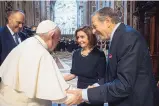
[13, 35]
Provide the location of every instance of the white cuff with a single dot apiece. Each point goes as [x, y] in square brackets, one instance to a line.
[84, 95]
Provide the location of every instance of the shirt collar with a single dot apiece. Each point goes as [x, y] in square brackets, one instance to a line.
[41, 41]
[10, 30]
[112, 34]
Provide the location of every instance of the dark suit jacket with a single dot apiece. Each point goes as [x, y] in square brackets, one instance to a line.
[7, 43]
[23, 36]
[129, 80]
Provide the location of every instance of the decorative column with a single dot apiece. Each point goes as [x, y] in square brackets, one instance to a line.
[97, 5]
[52, 10]
[48, 9]
[125, 12]
[37, 12]
[121, 8]
[8, 6]
[80, 13]
[29, 13]
[104, 3]
[134, 18]
[18, 5]
[43, 10]
[89, 12]
[100, 4]
[112, 4]
[3, 17]
[85, 12]
[147, 27]
[135, 22]
[92, 6]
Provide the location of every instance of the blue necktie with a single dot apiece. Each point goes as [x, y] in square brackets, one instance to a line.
[16, 38]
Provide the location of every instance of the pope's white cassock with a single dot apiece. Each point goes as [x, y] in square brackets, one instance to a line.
[30, 76]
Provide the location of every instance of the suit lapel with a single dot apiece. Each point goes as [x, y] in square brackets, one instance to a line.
[9, 36]
[112, 60]
[116, 36]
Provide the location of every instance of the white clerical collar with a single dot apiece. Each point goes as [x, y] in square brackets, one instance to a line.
[41, 41]
[10, 30]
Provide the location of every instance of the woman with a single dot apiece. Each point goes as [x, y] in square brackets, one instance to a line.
[88, 62]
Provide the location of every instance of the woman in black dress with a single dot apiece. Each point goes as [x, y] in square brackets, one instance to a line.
[88, 62]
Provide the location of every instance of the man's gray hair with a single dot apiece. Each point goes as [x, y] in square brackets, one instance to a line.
[107, 12]
[9, 13]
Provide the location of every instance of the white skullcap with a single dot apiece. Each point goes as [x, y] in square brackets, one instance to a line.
[45, 26]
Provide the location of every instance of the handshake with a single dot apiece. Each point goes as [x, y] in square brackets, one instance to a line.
[74, 96]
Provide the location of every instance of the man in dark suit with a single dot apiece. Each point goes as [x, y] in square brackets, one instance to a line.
[8, 34]
[128, 80]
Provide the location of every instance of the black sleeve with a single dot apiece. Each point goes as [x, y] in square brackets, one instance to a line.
[72, 71]
[122, 86]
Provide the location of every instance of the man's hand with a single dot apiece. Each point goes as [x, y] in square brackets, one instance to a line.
[91, 86]
[76, 97]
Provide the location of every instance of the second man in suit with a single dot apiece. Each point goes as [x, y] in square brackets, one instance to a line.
[8, 34]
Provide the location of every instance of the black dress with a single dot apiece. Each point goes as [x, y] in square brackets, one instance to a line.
[89, 69]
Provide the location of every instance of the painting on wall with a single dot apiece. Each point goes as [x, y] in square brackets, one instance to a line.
[66, 16]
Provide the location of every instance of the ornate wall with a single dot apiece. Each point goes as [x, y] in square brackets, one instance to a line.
[5, 6]
[35, 11]
[119, 6]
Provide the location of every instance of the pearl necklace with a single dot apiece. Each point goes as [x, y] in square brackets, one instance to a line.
[84, 55]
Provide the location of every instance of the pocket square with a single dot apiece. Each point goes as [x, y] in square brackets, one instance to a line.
[110, 56]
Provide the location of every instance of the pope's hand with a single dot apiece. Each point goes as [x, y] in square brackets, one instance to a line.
[75, 98]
